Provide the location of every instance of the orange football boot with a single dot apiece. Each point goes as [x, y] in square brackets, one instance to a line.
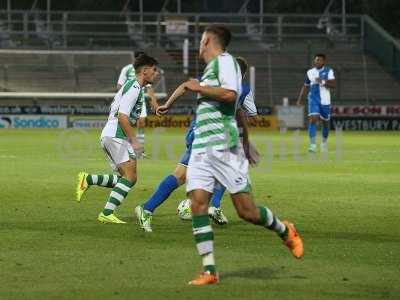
[205, 278]
[293, 240]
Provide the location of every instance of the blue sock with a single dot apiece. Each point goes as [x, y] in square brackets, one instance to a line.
[325, 133]
[166, 187]
[312, 132]
[217, 196]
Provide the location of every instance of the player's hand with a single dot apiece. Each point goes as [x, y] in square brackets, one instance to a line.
[318, 80]
[154, 106]
[162, 110]
[252, 155]
[137, 147]
[192, 85]
[298, 102]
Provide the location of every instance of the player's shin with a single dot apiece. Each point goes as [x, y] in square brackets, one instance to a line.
[270, 221]
[217, 196]
[325, 131]
[106, 180]
[312, 132]
[117, 195]
[166, 187]
[204, 238]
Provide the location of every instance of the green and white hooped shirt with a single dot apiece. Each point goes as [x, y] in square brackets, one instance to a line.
[129, 101]
[127, 73]
[216, 127]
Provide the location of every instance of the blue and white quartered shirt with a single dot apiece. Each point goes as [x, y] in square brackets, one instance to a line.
[319, 93]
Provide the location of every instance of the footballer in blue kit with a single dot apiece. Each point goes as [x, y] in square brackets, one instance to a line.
[317, 85]
[170, 183]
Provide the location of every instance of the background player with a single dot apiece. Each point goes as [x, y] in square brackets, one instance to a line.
[319, 80]
[118, 141]
[215, 153]
[128, 73]
[170, 183]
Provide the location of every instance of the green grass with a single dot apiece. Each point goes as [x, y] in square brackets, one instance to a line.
[346, 206]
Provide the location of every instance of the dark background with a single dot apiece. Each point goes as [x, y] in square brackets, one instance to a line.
[386, 12]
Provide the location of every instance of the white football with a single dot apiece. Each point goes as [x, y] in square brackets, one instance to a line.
[185, 210]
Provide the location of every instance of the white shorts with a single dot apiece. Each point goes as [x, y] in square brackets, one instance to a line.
[229, 168]
[117, 151]
[143, 113]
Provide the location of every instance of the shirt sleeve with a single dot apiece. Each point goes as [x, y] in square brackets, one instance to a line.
[307, 80]
[122, 76]
[331, 75]
[228, 74]
[128, 100]
[249, 105]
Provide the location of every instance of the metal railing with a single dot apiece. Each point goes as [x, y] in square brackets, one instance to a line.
[382, 45]
[84, 29]
[279, 73]
[302, 33]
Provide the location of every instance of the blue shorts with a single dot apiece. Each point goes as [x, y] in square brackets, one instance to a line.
[189, 140]
[316, 108]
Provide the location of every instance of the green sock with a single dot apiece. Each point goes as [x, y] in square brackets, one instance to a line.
[106, 180]
[204, 238]
[117, 195]
[270, 221]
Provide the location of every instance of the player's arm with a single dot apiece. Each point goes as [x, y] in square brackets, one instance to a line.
[249, 108]
[179, 91]
[121, 78]
[303, 92]
[216, 93]
[153, 99]
[242, 122]
[125, 124]
[128, 101]
[228, 78]
[331, 82]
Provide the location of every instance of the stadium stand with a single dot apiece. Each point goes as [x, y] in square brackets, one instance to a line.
[281, 53]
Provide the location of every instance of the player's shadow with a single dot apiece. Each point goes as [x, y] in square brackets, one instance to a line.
[262, 273]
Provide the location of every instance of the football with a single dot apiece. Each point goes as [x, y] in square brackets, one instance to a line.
[184, 210]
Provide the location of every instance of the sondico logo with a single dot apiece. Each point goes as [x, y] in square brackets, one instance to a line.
[35, 123]
[5, 122]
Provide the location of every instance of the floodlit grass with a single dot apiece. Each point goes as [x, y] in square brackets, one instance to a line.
[346, 205]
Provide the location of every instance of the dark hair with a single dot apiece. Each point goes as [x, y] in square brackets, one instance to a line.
[322, 55]
[244, 66]
[139, 53]
[222, 33]
[144, 60]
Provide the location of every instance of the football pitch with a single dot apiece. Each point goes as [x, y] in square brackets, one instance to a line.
[345, 204]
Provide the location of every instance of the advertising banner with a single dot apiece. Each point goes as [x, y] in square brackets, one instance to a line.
[33, 121]
[176, 25]
[365, 123]
[366, 117]
[59, 109]
[93, 109]
[87, 122]
[366, 110]
[291, 116]
[183, 121]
